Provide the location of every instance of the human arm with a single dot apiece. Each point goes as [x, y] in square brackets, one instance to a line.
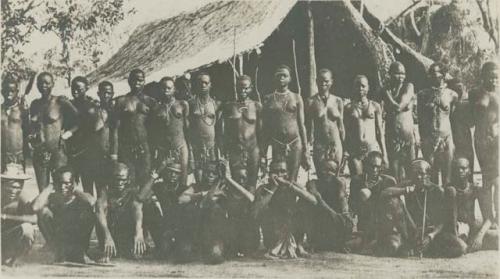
[189, 195]
[309, 121]
[298, 190]
[139, 244]
[340, 122]
[114, 127]
[71, 118]
[146, 189]
[102, 222]
[302, 132]
[380, 133]
[85, 197]
[263, 197]
[42, 200]
[249, 196]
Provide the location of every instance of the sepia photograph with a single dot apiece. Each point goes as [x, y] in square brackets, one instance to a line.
[250, 138]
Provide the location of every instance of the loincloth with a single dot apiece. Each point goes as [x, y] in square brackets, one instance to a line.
[203, 154]
[282, 149]
[326, 150]
[437, 144]
[169, 154]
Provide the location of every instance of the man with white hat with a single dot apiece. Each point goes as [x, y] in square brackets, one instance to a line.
[17, 218]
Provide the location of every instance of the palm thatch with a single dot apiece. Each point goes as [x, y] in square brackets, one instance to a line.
[209, 38]
[190, 40]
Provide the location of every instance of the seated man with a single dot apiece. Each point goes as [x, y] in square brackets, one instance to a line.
[431, 229]
[275, 207]
[119, 217]
[204, 224]
[364, 200]
[65, 217]
[463, 220]
[328, 224]
[160, 197]
[17, 220]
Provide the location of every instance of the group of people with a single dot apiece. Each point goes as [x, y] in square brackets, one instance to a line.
[132, 155]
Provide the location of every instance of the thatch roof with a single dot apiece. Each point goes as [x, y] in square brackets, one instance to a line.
[190, 40]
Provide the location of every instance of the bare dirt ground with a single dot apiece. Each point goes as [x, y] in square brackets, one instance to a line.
[484, 264]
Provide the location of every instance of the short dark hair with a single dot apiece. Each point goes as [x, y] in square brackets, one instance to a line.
[442, 67]
[9, 79]
[373, 155]
[135, 72]
[165, 79]
[488, 67]
[62, 170]
[42, 74]
[244, 77]
[283, 66]
[80, 79]
[325, 71]
[395, 65]
[103, 84]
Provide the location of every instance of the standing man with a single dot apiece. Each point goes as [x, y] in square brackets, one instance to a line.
[18, 232]
[14, 124]
[325, 120]
[365, 133]
[435, 105]
[53, 120]
[400, 106]
[171, 124]
[241, 129]
[485, 102]
[132, 115]
[80, 146]
[65, 217]
[204, 114]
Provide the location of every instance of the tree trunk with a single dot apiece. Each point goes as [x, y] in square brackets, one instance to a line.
[311, 56]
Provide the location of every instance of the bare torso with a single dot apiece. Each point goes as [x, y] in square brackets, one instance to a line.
[280, 113]
[325, 118]
[361, 130]
[241, 119]
[170, 119]
[13, 124]
[434, 108]
[202, 121]
[133, 112]
[399, 122]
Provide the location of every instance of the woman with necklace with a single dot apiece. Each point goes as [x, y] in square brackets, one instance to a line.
[364, 126]
[53, 120]
[204, 113]
[170, 122]
[399, 104]
[242, 123]
[325, 121]
[435, 105]
[284, 127]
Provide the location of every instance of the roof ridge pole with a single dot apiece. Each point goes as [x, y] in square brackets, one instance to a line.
[311, 52]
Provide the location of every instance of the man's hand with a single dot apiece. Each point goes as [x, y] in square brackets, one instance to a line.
[139, 244]
[66, 135]
[263, 166]
[306, 160]
[109, 247]
[113, 157]
[225, 163]
[422, 244]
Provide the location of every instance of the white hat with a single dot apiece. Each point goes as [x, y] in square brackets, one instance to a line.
[14, 171]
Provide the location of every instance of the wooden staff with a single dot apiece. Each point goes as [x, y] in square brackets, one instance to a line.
[423, 222]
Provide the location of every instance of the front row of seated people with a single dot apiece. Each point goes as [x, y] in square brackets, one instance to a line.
[219, 218]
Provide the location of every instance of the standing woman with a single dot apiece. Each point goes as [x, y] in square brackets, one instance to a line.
[325, 121]
[399, 103]
[204, 114]
[485, 101]
[435, 105]
[170, 120]
[53, 121]
[283, 124]
[363, 119]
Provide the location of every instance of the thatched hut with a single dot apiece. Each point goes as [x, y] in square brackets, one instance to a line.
[228, 38]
